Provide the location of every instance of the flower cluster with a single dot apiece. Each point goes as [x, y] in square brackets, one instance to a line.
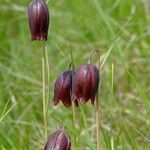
[79, 87]
[70, 87]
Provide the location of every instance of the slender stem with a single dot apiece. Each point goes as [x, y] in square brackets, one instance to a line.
[44, 90]
[72, 59]
[85, 121]
[97, 101]
[74, 123]
[97, 111]
[112, 87]
[48, 79]
[112, 79]
[72, 101]
[91, 54]
[97, 122]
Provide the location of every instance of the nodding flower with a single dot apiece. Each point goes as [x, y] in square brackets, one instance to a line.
[85, 83]
[63, 88]
[58, 141]
[38, 17]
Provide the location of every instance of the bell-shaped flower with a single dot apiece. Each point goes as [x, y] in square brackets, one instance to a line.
[38, 17]
[63, 88]
[58, 141]
[85, 83]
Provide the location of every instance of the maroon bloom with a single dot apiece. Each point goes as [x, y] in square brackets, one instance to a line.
[38, 17]
[85, 83]
[63, 87]
[58, 141]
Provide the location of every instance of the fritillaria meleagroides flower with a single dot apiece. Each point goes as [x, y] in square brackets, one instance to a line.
[38, 17]
[62, 89]
[85, 83]
[58, 141]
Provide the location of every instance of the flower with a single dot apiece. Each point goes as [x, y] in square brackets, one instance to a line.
[62, 90]
[38, 17]
[85, 83]
[58, 141]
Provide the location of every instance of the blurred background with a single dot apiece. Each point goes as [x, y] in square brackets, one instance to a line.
[120, 30]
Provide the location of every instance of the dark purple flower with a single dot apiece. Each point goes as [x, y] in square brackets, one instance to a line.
[63, 87]
[38, 17]
[85, 83]
[58, 141]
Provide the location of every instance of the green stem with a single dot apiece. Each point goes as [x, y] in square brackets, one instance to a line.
[44, 90]
[85, 121]
[97, 123]
[73, 104]
[48, 79]
[97, 101]
[97, 110]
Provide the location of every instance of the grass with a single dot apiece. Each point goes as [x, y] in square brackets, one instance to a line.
[120, 30]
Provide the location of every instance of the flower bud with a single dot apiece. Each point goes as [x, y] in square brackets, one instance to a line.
[58, 141]
[38, 17]
[63, 87]
[85, 83]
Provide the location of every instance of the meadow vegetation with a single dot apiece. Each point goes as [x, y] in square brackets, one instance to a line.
[120, 30]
